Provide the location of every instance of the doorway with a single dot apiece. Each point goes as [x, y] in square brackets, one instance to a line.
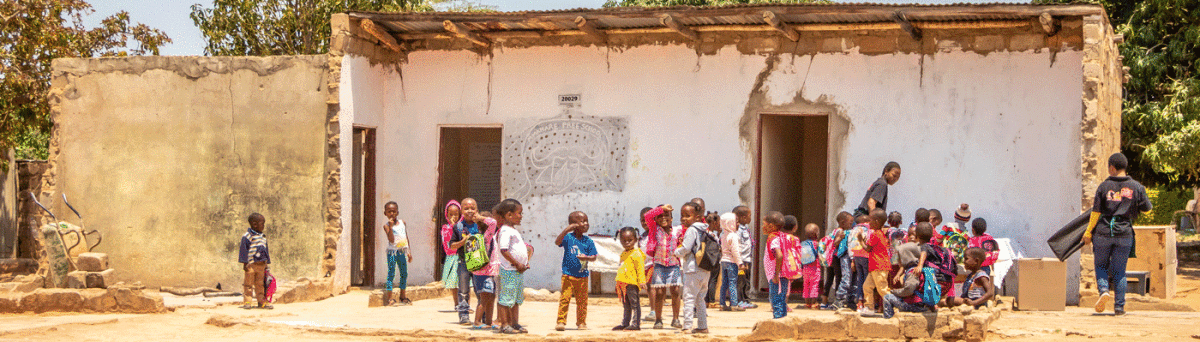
[468, 166]
[362, 236]
[792, 169]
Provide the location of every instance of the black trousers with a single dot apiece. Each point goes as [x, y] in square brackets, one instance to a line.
[830, 277]
[633, 307]
[744, 286]
[711, 296]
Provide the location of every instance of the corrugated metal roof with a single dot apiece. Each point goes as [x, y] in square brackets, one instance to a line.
[741, 14]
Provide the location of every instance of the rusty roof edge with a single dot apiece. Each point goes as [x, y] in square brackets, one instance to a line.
[1030, 10]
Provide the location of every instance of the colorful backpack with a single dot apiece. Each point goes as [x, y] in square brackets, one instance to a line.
[269, 285]
[789, 248]
[930, 292]
[477, 256]
[954, 240]
[826, 250]
[808, 252]
[946, 268]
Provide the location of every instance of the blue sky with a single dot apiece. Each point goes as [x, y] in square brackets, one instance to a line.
[171, 16]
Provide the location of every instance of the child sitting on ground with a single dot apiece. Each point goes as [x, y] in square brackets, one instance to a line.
[879, 264]
[906, 297]
[731, 260]
[937, 258]
[630, 278]
[578, 250]
[981, 239]
[810, 265]
[978, 288]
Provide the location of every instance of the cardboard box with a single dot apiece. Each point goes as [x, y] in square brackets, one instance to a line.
[1041, 285]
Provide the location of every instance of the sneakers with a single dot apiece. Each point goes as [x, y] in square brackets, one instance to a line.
[1119, 312]
[650, 317]
[699, 331]
[867, 312]
[619, 328]
[560, 327]
[581, 327]
[675, 324]
[748, 305]
[658, 325]
[1103, 301]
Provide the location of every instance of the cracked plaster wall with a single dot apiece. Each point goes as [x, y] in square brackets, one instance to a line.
[990, 119]
[167, 156]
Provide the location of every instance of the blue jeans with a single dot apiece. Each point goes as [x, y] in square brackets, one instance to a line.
[778, 290]
[847, 277]
[891, 302]
[729, 276]
[397, 260]
[860, 276]
[1111, 255]
[464, 291]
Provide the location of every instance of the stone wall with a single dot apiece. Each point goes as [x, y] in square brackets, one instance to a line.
[1103, 81]
[167, 156]
[8, 203]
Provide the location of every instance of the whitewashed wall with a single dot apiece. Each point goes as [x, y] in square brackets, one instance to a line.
[1000, 131]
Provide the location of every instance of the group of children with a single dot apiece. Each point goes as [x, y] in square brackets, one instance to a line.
[911, 269]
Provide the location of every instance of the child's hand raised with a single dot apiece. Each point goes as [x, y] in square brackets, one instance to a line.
[668, 207]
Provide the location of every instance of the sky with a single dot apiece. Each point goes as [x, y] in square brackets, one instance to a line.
[171, 16]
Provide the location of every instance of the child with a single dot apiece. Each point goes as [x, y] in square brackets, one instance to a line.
[879, 264]
[731, 260]
[856, 240]
[978, 288]
[649, 267]
[483, 279]
[935, 257]
[877, 194]
[578, 250]
[811, 266]
[981, 239]
[922, 215]
[844, 260]
[771, 265]
[516, 254]
[630, 278]
[897, 235]
[963, 215]
[397, 237]
[711, 219]
[458, 241]
[666, 277]
[792, 268]
[453, 213]
[255, 256]
[695, 278]
[906, 297]
[746, 242]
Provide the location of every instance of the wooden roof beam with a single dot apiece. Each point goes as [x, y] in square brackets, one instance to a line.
[382, 35]
[669, 21]
[590, 28]
[774, 20]
[906, 25]
[1049, 24]
[465, 33]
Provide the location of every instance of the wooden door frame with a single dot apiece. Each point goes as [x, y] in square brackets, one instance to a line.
[368, 194]
[757, 210]
[440, 190]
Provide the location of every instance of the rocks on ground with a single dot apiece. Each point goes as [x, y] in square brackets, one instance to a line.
[945, 324]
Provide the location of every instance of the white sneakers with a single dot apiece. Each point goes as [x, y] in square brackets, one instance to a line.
[1102, 303]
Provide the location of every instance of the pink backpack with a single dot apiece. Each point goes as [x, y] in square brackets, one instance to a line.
[790, 248]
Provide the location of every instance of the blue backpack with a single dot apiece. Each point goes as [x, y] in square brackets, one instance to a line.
[930, 292]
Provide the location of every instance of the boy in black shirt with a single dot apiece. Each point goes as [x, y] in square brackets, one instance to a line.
[1118, 201]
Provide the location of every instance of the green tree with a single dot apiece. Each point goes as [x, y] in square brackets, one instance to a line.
[292, 27]
[34, 32]
[663, 3]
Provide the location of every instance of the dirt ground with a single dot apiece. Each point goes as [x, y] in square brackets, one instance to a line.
[347, 318]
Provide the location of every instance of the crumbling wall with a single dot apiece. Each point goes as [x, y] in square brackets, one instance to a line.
[1103, 81]
[167, 156]
[8, 203]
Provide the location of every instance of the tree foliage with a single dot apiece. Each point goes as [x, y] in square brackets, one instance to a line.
[664, 3]
[292, 27]
[34, 32]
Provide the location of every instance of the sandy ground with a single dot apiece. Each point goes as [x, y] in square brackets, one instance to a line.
[347, 318]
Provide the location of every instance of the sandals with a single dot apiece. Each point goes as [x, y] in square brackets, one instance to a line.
[513, 330]
[520, 329]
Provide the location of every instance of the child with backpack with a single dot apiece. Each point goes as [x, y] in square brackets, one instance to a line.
[792, 268]
[907, 297]
[697, 258]
[481, 260]
[936, 261]
[981, 239]
[810, 265]
[772, 264]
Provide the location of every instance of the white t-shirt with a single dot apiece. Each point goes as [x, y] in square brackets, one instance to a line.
[400, 233]
[509, 238]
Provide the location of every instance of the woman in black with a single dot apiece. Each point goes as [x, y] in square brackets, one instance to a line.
[877, 194]
[1118, 201]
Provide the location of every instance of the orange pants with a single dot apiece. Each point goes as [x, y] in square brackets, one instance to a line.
[573, 287]
[252, 286]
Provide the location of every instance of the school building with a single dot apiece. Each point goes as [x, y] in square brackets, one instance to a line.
[1012, 108]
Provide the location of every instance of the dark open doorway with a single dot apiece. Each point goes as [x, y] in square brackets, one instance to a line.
[469, 166]
[792, 169]
[362, 237]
